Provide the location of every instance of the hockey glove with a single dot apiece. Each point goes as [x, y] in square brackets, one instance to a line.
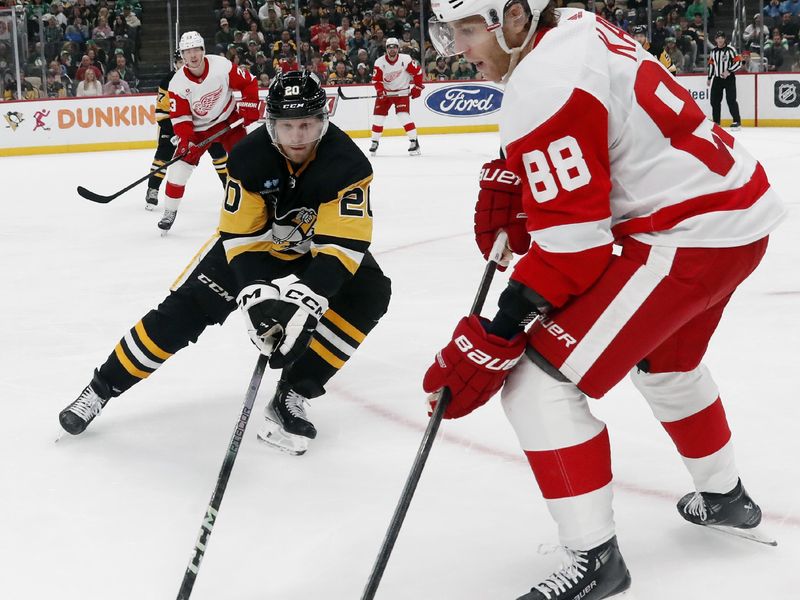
[281, 324]
[193, 152]
[500, 207]
[474, 365]
[416, 90]
[249, 111]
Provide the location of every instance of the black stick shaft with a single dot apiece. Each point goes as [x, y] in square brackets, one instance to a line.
[427, 441]
[100, 199]
[222, 481]
[343, 97]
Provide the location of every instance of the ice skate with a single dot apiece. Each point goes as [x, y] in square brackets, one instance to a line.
[165, 224]
[373, 147]
[151, 199]
[286, 425]
[734, 513]
[736, 126]
[595, 574]
[76, 417]
[413, 149]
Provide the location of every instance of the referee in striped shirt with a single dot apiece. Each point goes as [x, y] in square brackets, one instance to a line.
[723, 62]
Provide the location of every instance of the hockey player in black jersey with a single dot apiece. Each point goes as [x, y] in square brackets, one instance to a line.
[166, 149]
[292, 247]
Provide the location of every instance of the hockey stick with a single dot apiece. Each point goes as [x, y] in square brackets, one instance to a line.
[430, 434]
[100, 199]
[222, 481]
[343, 97]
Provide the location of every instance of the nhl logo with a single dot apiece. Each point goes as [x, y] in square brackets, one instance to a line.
[787, 94]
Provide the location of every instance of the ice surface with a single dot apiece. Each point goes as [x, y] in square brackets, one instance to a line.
[113, 514]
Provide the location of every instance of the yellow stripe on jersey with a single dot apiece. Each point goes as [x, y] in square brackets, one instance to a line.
[126, 362]
[326, 354]
[231, 253]
[150, 344]
[244, 212]
[348, 216]
[194, 262]
[340, 254]
[344, 325]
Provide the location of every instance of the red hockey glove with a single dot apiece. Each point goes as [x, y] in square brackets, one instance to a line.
[500, 207]
[416, 90]
[473, 365]
[193, 152]
[249, 111]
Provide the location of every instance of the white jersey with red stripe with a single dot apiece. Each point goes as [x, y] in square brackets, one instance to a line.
[396, 77]
[610, 145]
[206, 100]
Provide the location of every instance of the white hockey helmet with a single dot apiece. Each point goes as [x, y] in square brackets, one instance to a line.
[191, 39]
[392, 42]
[492, 12]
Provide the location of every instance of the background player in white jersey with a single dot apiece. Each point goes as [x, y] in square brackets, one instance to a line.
[603, 147]
[397, 78]
[201, 104]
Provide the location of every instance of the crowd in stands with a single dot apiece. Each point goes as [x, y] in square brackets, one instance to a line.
[82, 47]
[339, 39]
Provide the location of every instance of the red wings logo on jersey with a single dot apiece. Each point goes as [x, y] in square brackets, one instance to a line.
[391, 76]
[202, 106]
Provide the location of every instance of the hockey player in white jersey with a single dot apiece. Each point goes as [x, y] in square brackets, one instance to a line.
[397, 79]
[202, 104]
[603, 147]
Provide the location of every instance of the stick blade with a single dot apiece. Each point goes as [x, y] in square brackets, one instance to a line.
[90, 195]
[341, 95]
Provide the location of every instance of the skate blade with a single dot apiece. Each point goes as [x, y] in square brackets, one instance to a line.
[415, 153]
[59, 436]
[150, 207]
[272, 434]
[756, 534]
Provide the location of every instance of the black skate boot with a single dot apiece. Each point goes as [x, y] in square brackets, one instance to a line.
[734, 509]
[373, 147]
[286, 425]
[151, 199]
[413, 149]
[594, 574]
[165, 224]
[76, 417]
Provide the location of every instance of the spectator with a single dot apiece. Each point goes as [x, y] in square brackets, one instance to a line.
[115, 86]
[126, 73]
[305, 54]
[263, 81]
[102, 31]
[772, 12]
[286, 43]
[659, 35]
[53, 37]
[57, 10]
[89, 86]
[776, 51]
[86, 65]
[254, 35]
[791, 6]
[755, 34]
[263, 12]
[697, 27]
[120, 28]
[789, 29]
[67, 64]
[675, 55]
[319, 67]
[261, 66]
[340, 75]
[356, 43]
[699, 7]
[249, 58]
[320, 33]
[345, 30]
[439, 70]
[224, 36]
[95, 60]
[272, 25]
[363, 74]
[361, 57]
[291, 25]
[463, 70]
[408, 45]
[54, 87]
[77, 32]
[376, 45]
[287, 60]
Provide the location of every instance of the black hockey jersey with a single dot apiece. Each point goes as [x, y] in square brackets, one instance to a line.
[317, 213]
[162, 105]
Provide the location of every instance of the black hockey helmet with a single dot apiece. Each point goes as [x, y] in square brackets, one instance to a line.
[175, 58]
[720, 34]
[639, 30]
[296, 94]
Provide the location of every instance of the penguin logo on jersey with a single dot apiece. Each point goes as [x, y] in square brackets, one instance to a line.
[206, 102]
[294, 227]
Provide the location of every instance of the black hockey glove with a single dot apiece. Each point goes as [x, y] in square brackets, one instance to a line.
[281, 324]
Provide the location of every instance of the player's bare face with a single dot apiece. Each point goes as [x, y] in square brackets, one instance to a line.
[193, 57]
[298, 137]
[480, 47]
[392, 52]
